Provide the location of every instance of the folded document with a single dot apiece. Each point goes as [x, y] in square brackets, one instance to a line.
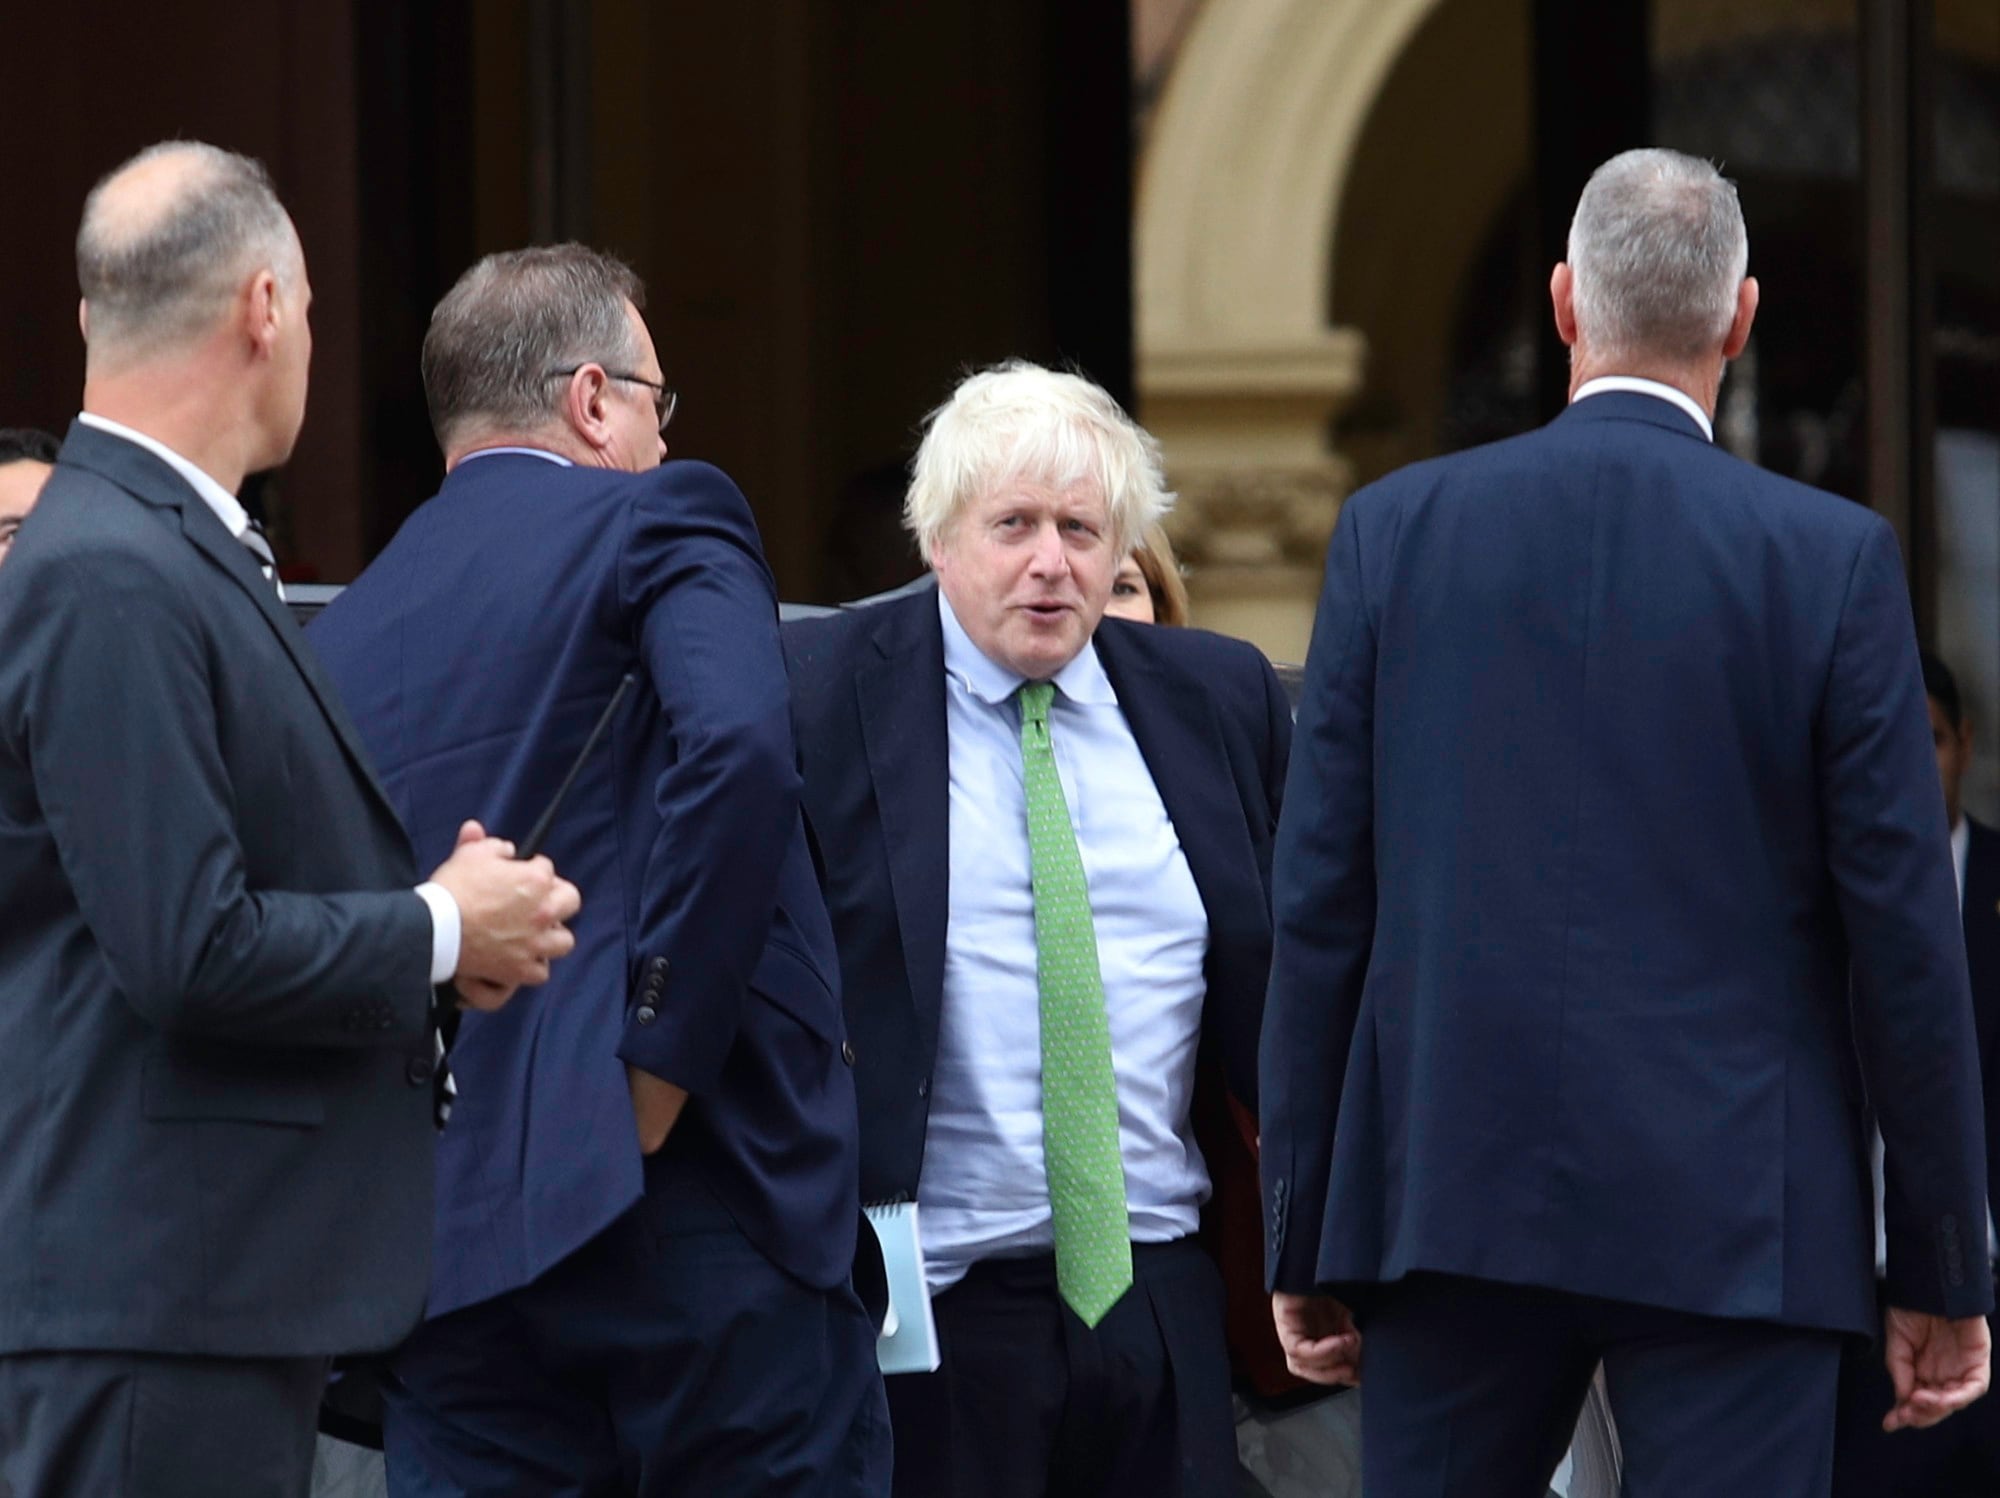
[909, 1342]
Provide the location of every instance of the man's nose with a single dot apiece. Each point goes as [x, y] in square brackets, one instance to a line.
[1050, 560]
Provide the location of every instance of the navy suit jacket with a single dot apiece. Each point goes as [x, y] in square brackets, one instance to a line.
[1613, 776]
[1214, 727]
[1982, 960]
[476, 653]
[213, 965]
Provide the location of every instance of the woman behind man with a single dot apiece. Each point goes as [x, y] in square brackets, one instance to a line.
[1148, 588]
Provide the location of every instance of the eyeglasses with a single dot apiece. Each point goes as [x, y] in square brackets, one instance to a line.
[665, 401]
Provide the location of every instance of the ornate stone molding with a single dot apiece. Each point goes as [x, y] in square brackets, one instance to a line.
[1257, 517]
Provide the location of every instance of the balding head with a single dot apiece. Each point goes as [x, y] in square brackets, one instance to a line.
[166, 242]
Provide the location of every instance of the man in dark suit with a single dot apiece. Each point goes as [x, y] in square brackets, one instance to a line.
[1961, 1458]
[647, 1199]
[216, 964]
[1611, 785]
[26, 456]
[1046, 842]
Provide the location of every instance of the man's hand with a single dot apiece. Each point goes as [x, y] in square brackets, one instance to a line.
[511, 914]
[1937, 1366]
[1318, 1335]
[656, 1105]
[481, 993]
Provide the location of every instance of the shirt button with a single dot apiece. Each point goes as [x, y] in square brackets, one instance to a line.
[847, 1052]
[924, 1088]
[418, 1071]
[645, 1014]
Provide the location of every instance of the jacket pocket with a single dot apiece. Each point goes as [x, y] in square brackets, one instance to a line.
[176, 1089]
[790, 981]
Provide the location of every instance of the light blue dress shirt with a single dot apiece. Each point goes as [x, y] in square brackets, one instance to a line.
[984, 1189]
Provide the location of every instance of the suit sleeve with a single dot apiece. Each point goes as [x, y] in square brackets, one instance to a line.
[1323, 916]
[1890, 859]
[129, 770]
[706, 615]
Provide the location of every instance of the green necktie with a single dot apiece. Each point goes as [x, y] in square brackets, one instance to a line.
[1079, 1092]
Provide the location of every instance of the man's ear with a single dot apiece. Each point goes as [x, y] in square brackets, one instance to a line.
[586, 407]
[257, 307]
[1746, 314]
[83, 319]
[1562, 297]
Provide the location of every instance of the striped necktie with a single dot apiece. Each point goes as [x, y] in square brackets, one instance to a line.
[1080, 1148]
[259, 546]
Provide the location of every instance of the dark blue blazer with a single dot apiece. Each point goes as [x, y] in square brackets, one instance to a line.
[1613, 775]
[1982, 960]
[1214, 727]
[476, 653]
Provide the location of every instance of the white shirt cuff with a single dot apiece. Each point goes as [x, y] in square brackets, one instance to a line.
[446, 930]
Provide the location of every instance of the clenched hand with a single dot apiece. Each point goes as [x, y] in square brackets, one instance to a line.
[512, 914]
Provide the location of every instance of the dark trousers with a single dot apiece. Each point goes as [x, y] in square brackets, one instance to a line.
[1030, 1403]
[1472, 1388]
[145, 1425]
[1958, 1459]
[666, 1357]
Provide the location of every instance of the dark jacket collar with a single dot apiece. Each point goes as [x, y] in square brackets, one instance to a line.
[1631, 405]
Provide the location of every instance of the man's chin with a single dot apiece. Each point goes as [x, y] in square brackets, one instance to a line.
[1045, 652]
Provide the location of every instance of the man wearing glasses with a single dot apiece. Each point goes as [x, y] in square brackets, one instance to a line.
[648, 1187]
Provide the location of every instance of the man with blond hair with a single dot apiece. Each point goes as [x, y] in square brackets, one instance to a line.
[216, 963]
[1613, 826]
[1046, 838]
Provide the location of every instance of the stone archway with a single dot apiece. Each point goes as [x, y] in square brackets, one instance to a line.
[1240, 369]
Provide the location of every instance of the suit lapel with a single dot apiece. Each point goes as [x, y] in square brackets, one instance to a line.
[1175, 725]
[901, 697]
[151, 481]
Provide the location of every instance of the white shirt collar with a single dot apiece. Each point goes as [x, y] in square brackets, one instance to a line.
[1082, 680]
[1961, 849]
[519, 452]
[1637, 385]
[228, 509]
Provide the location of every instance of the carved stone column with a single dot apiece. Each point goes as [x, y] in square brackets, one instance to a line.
[1253, 541]
[1240, 368]
[1245, 435]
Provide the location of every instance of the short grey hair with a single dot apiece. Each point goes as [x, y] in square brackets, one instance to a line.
[514, 319]
[153, 281]
[1020, 421]
[1657, 251]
